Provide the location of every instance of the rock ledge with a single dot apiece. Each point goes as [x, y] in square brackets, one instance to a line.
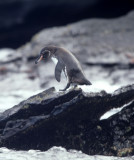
[71, 119]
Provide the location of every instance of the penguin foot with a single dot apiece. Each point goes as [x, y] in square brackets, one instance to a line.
[67, 86]
[75, 86]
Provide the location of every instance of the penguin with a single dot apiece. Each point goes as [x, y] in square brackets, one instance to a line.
[67, 63]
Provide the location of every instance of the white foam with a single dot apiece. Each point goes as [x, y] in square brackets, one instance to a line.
[16, 89]
[113, 111]
[55, 153]
[99, 86]
[7, 54]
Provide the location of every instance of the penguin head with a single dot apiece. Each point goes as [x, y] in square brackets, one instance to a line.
[46, 53]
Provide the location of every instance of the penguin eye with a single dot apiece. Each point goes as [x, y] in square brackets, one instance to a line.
[46, 54]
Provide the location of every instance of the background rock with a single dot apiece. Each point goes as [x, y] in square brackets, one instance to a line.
[92, 41]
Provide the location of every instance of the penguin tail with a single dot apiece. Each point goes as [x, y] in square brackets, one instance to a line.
[88, 82]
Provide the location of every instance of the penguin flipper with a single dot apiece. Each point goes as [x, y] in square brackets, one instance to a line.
[58, 69]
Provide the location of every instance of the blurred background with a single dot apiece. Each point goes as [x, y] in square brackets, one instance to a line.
[99, 32]
[21, 19]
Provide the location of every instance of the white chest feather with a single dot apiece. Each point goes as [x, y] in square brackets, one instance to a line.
[54, 60]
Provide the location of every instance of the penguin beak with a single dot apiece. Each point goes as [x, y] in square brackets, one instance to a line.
[39, 59]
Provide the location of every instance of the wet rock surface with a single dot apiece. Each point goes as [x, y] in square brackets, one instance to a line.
[71, 119]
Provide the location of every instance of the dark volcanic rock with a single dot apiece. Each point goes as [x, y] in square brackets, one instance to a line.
[71, 119]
